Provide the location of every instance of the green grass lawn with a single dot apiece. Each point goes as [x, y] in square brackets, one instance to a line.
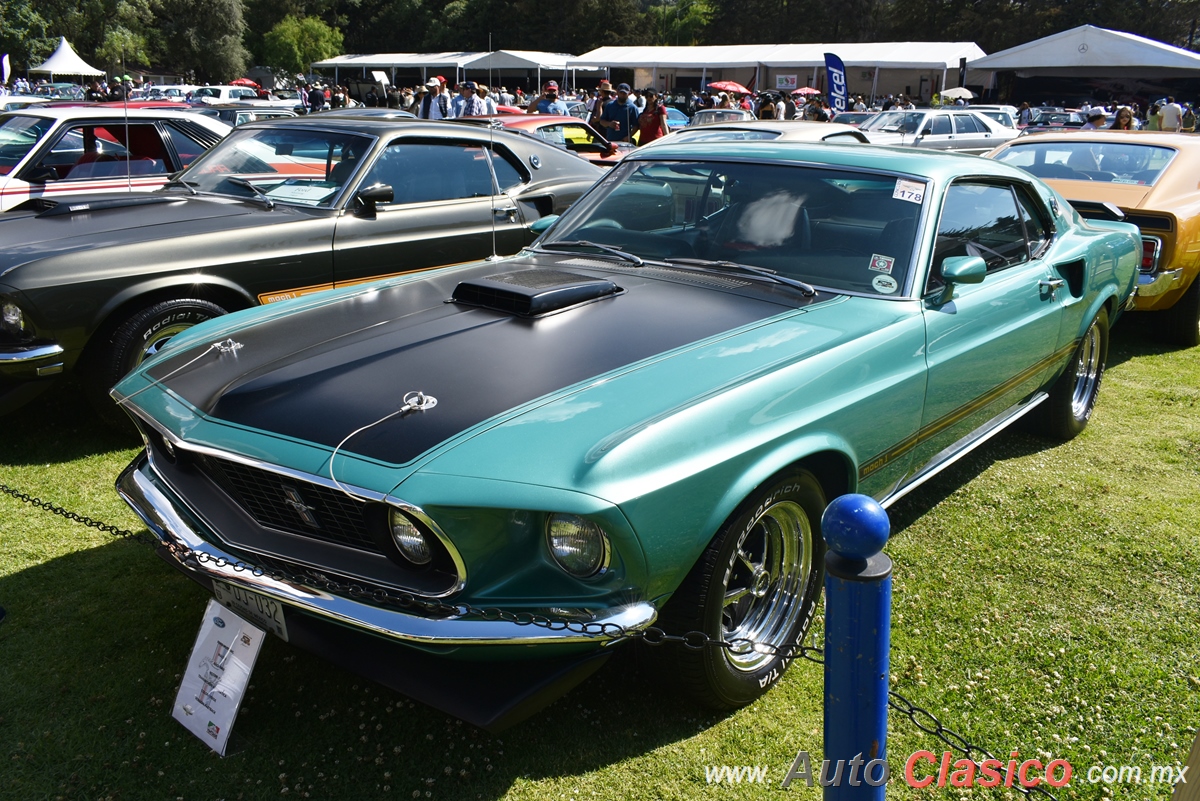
[1045, 601]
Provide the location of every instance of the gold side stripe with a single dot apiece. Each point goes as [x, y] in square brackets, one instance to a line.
[289, 294]
[942, 423]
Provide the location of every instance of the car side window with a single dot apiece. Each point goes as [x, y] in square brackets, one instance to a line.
[965, 123]
[941, 125]
[423, 172]
[1037, 232]
[94, 151]
[507, 174]
[980, 220]
[185, 146]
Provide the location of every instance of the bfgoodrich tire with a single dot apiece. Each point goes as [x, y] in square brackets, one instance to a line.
[1073, 396]
[759, 579]
[131, 342]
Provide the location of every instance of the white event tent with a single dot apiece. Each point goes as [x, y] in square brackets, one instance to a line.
[1091, 52]
[65, 61]
[460, 62]
[760, 63]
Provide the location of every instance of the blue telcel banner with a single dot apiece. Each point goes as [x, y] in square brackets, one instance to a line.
[836, 71]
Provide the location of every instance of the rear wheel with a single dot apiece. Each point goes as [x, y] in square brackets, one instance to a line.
[759, 580]
[1183, 319]
[1073, 397]
[139, 337]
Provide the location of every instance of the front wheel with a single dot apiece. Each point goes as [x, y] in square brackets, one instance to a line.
[1073, 397]
[139, 337]
[759, 581]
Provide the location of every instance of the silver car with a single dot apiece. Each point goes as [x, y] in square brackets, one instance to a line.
[958, 129]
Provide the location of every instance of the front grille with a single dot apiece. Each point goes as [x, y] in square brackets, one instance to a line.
[292, 505]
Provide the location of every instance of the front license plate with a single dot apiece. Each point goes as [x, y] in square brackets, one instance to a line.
[266, 612]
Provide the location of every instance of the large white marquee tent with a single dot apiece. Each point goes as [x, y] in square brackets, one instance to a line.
[1090, 52]
[763, 64]
[65, 61]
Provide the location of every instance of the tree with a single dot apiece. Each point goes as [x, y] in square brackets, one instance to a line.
[679, 22]
[295, 43]
[24, 34]
[204, 36]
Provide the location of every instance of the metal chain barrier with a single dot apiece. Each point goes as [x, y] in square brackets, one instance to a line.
[922, 718]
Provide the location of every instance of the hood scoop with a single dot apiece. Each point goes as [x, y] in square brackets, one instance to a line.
[55, 208]
[533, 293]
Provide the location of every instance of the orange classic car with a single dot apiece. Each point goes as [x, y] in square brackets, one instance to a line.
[1152, 178]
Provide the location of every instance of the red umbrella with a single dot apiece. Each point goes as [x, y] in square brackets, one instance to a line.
[729, 86]
[807, 90]
[244, 82]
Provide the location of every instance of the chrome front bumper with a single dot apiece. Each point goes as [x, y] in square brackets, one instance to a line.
[1151, 285]
[170, 521]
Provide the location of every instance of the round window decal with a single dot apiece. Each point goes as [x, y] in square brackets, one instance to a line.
[885, 284]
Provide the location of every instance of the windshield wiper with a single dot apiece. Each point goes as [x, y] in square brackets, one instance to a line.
[583, 243]
[737, 267]
[188, 185]
[258, 193]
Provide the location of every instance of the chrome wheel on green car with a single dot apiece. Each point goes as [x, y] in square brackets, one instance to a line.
[765, 584]
[757, 586]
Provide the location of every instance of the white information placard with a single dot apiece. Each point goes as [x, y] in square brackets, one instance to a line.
[217, 675]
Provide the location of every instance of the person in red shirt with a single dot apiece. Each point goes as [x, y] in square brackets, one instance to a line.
[652, 122]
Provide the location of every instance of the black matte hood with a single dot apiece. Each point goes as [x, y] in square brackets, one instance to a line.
[321, 373]
[116, 218]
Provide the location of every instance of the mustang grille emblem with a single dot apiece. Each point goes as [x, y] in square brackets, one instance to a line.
[295, 502]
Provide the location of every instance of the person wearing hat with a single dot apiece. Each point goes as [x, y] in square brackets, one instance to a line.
[619, 118]
[548, 103]
[316, 99]
[485, 94]
[1095, 119]
[468, 103]
[604, 96]
[434, 105]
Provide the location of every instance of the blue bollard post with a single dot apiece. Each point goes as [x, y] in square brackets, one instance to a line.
[858, 604]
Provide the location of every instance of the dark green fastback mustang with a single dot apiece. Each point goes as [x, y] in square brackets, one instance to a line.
[278, 210]
[472, 484]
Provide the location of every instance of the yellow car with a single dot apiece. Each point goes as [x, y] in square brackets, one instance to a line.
[1153, 178]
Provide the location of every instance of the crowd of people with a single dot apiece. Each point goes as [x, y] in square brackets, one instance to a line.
[623, 114]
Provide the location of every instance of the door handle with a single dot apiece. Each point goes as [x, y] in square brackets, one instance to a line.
[509, 212]
[1053, 285]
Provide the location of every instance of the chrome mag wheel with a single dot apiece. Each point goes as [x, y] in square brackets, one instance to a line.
[766, 583]
[1089, 366]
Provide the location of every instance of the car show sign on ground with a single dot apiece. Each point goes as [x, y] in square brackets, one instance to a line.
[217, 675]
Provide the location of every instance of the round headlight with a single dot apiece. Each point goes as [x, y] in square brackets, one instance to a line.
[411, 541]
[12, 319]
[578, 545]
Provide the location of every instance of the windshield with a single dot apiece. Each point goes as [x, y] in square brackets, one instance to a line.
[1058, 118]
[722, 135]
[1114, 162]
[709, 116]
[895, 121]
[302, 167]
[841, 230]
[18, 135]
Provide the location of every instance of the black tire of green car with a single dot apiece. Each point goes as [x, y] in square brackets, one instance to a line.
[760, 579]
[1073, 396]
[134, 340]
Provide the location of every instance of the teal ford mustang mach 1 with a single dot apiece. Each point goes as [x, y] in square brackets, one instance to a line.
[472, 484]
